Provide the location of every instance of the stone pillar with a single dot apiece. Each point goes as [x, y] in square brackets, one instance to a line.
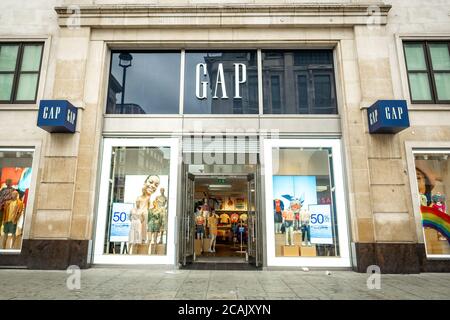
[387, 237]
[52, 243]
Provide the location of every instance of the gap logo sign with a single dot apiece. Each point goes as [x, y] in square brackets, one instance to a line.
[57, 116]
[388, 116]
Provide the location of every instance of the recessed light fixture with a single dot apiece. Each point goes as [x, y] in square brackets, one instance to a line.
[219, 186]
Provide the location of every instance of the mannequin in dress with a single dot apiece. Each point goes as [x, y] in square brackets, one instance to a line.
[139, 214]
[13, 210]
[212, 225]
[161, 200]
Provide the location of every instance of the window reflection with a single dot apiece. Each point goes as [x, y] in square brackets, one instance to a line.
[298, 82]
[152, 83]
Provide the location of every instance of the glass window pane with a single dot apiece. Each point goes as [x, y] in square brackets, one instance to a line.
[415, 56]
[442, 85]
[27, 87]
[15, 183]
[139, 200]
[324, 102]
[304, 215]
[8, 57]
[152, 83]
[219, 82]
[302, 87]
[433, 181]
[420, 87]
[31, 59]
[275, 94]
[440, 56]
[6, 82]
[295, 69]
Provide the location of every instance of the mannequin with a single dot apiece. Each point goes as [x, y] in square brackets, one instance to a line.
[151, 185]
[212, 225]
[288, 221]
[139, 214]
[278, 207]
[199, 223]
[13, 210]
[305, 217]
[438, 202]
[6, 194]
[161, 200]
[155, 219]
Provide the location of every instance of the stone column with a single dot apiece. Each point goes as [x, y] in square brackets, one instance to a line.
[53, 244]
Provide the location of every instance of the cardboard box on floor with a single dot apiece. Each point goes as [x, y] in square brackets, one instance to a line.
[308, 251]
[198, 247]
[290, 251]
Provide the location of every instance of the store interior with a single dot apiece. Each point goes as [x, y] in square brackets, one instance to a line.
[222, 200]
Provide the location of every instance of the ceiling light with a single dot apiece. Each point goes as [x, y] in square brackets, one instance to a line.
[219, 186]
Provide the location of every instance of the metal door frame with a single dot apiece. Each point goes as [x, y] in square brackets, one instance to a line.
[187, 225]
[186, 231]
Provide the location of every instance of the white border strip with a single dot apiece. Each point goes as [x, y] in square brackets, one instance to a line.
[344, 259]
[169, 258]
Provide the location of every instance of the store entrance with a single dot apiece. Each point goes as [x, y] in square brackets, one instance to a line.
[220, 222]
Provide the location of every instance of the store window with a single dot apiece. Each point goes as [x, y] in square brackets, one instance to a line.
[20, 65]
[137, 221]
[305, 223]
[298, 82]
[428, 65]
[144, 83]
[15, 181]
[433, 182]
[221, 82]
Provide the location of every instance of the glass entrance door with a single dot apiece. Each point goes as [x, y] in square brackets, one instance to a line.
[187, 221]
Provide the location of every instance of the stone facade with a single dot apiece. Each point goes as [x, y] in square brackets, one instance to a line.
[369, 66]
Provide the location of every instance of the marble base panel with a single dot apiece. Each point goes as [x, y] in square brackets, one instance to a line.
[48, 255]
[400, 258]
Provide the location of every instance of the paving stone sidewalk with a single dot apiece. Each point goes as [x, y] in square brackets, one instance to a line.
[121, 283]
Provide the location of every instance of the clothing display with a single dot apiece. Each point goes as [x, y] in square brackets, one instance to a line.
[14, 174]
[154, 220]
[243, 217]
[200, 223]
[305, 217]
[212, 224]
[289, 217]
[6, 194]
[135, 234]
[25, 180]
[224, 218]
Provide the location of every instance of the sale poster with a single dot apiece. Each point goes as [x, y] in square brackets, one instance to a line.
[120, 222]
[320, 224]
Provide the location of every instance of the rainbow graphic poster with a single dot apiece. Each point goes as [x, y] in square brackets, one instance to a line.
[436, 219]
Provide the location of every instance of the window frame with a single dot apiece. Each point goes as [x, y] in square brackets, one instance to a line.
[337, 177]
[430, 72]
[18, 72]
[422, 147]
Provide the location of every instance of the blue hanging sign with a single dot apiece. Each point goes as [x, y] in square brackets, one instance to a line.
[57, 116]
[388, 116]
